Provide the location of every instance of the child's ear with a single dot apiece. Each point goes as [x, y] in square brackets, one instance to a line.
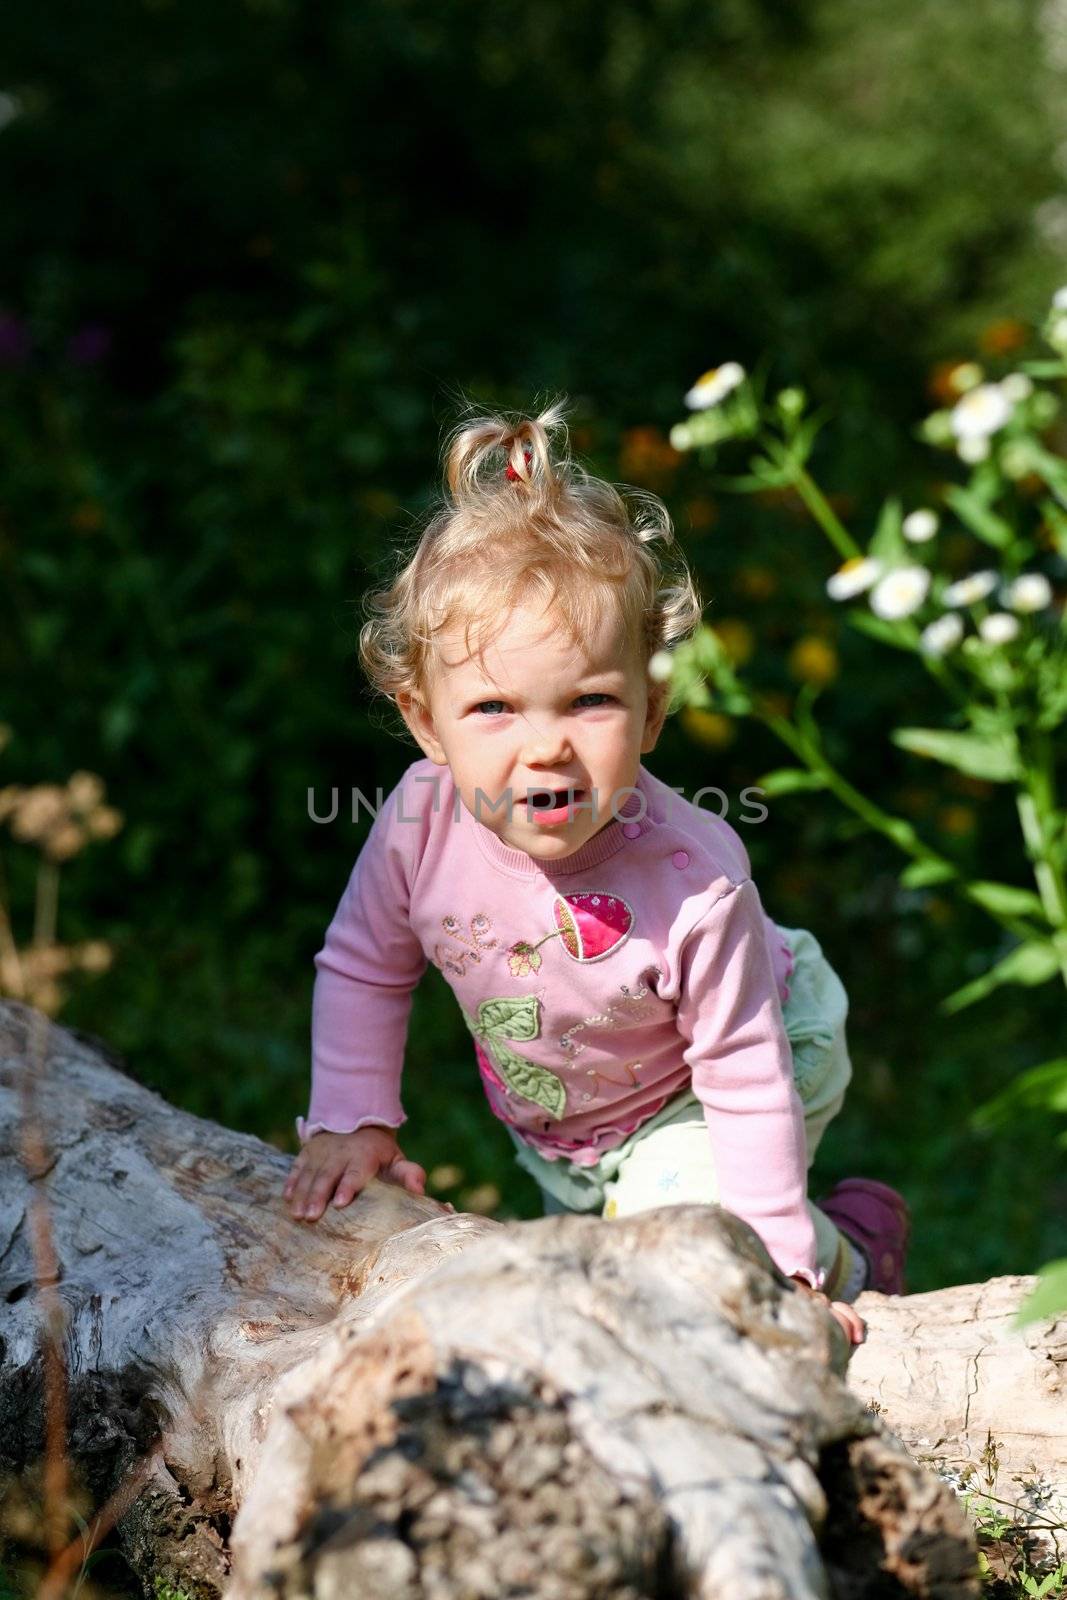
[659, 699]
[421, 726]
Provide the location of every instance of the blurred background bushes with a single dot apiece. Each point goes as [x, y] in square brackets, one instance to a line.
[250, 256]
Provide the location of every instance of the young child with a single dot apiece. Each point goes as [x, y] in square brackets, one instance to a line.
[645, 1033]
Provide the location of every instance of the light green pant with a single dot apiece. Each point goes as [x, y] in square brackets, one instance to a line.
[668, 1161]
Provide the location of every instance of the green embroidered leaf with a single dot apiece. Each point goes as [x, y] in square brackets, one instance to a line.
[513, 1018]
[531, 1081]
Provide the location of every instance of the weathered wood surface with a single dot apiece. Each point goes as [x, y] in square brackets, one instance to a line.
[402, 1402]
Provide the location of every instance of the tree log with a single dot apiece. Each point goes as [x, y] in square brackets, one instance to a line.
[400, 1402]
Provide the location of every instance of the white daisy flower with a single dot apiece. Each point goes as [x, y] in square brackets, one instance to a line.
[968, 591]
[942, 635]
[1031, 591]
[920, 526]
[1059, 299]
[1016, 387]
[972, 450]
[1000, 627]
[981, 412]
[661, 666]
[900, 592]
[713, 386]
[853, 578]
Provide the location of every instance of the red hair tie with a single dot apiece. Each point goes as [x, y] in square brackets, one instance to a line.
[516, 477]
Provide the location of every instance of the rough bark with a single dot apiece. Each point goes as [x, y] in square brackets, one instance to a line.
[405, 1403]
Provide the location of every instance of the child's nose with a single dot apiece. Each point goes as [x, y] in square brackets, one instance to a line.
[547, 745]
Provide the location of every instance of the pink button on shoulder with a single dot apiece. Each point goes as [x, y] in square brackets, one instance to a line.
[631, 830]
[680, 859]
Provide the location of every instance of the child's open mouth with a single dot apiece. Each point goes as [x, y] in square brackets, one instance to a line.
[553, 805]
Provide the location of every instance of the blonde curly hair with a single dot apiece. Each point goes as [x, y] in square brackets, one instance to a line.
[521, 521]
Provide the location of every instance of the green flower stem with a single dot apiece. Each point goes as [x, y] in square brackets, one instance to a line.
[901, 833]
[1038, 816]
[824, 515]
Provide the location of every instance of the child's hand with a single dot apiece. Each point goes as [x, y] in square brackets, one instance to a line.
[338, 1165]
[847, 1317]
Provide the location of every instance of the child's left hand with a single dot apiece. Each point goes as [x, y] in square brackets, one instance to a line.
[846, 1316]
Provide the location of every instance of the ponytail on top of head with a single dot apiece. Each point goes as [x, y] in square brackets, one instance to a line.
[521, 522]
[483, 449]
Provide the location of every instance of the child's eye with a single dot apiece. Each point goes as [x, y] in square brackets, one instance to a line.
[493, 708]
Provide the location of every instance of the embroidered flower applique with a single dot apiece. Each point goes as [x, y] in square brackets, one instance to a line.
[524, 958]
[472, 938]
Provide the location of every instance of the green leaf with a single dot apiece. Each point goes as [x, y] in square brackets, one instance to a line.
[922, 874]
[1028, 964]
[1056, 519]
[1044, 369]
[1049, 1297]
[791, 780]
[979, 755]
[1042, 1088]
[897, 634]
[530, 1080]
[979, 517]
[510, 1018]
[903, 834]
[888, 544]
[1005, 900]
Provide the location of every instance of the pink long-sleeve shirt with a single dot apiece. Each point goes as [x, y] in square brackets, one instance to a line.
[595, 988]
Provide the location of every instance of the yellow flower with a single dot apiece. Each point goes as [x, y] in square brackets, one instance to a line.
[39, 810]
[445, 1176]
[104, 822]
[482, 1200]
[736, 638]
[1000, 338]
[95, 955]
[65, 841]
[85, 790]
[709, 727]
[813, 660]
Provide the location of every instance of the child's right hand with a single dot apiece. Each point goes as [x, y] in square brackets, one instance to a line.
[338, 1165]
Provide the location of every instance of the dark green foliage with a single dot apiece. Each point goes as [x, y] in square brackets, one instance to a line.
[251, 255]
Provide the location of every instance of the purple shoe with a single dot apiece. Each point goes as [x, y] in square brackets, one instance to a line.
[876, 1219]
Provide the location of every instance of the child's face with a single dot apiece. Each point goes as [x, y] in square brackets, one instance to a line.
[543, 716]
